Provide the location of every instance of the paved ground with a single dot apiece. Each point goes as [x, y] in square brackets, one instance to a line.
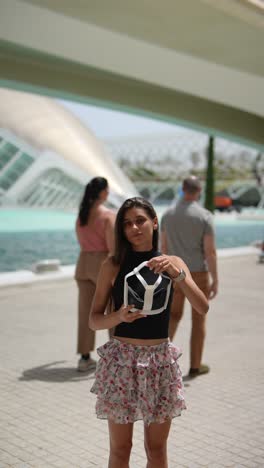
[47, 413]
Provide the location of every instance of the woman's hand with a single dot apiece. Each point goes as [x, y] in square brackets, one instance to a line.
[125, 315]
[165, 263]
[172, 265]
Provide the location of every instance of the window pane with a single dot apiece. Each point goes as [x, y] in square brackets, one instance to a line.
[5, 183]
[15, 171]
[21, 164]
[7, 152]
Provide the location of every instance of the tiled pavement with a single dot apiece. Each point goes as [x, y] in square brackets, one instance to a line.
[47, 413]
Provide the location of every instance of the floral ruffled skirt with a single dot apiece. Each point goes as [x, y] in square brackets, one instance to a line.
[138, 382]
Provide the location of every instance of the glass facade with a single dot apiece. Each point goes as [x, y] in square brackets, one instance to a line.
[16, 169]
[7, 153]
[40, 178]
[53, 189]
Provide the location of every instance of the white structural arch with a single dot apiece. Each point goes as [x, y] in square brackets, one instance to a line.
[193, 62]
[50, 147]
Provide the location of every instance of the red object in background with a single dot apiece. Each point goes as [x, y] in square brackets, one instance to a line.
[221, 201]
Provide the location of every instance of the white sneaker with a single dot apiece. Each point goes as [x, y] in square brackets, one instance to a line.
[86, 364]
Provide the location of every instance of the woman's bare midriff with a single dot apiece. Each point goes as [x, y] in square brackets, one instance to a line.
[135, 341]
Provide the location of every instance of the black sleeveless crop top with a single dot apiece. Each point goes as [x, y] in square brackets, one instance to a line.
[152, 326]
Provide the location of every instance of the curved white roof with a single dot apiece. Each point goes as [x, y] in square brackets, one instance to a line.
[46, 124]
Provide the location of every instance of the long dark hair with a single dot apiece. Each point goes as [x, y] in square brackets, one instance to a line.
[122, 246]
[91, 194]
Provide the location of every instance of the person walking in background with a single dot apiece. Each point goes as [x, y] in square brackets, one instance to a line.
[187, 230]
[95, 234]
[138, 375]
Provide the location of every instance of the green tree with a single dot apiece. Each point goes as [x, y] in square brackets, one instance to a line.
[209, 184]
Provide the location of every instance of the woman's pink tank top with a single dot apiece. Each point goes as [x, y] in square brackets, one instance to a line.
[92, 238]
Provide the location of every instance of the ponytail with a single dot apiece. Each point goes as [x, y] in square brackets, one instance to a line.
[91, 194]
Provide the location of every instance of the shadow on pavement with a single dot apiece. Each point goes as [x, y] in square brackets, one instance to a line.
[52, 372]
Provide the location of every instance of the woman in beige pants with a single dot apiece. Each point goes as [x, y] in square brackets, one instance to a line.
[95, 234]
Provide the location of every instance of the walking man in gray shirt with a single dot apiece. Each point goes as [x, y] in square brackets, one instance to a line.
[187, 231]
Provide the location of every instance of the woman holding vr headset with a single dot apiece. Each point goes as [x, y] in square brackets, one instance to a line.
[138, 375]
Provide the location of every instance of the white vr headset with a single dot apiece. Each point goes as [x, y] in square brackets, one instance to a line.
[154, 297]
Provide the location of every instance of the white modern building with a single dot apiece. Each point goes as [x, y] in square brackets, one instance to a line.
[47, 155]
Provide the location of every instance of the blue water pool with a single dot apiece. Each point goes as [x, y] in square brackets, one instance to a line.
[27, 236]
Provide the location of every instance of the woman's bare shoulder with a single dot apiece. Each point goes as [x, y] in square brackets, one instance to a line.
[110, 214]
[106, 213]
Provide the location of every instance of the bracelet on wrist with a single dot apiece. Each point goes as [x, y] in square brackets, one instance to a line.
[181, 276]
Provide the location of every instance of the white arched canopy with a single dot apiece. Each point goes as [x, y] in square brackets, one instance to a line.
[197, 63]
[47, 125]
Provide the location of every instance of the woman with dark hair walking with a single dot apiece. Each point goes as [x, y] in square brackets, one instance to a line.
[95, 234]
[138, 376]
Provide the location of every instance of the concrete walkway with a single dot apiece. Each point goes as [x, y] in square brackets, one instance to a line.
[47, 414]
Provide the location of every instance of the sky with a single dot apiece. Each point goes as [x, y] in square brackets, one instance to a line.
[105, 123]
[110, 124]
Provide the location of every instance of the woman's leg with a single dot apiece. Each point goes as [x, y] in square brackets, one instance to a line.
[156, 436]
[86, 336]
[120, 436]
[198, 333]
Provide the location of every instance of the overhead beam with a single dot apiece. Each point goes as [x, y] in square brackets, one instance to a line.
[82, 42]
[27, 70]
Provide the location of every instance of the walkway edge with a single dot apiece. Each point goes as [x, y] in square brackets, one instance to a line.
[23, 277]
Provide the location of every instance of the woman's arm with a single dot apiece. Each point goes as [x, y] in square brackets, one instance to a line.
[98, 320]
[172, 265]
[211, 260]
[110, 232]
[164, 244]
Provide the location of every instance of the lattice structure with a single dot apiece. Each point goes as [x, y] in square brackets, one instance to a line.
[158, 163]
